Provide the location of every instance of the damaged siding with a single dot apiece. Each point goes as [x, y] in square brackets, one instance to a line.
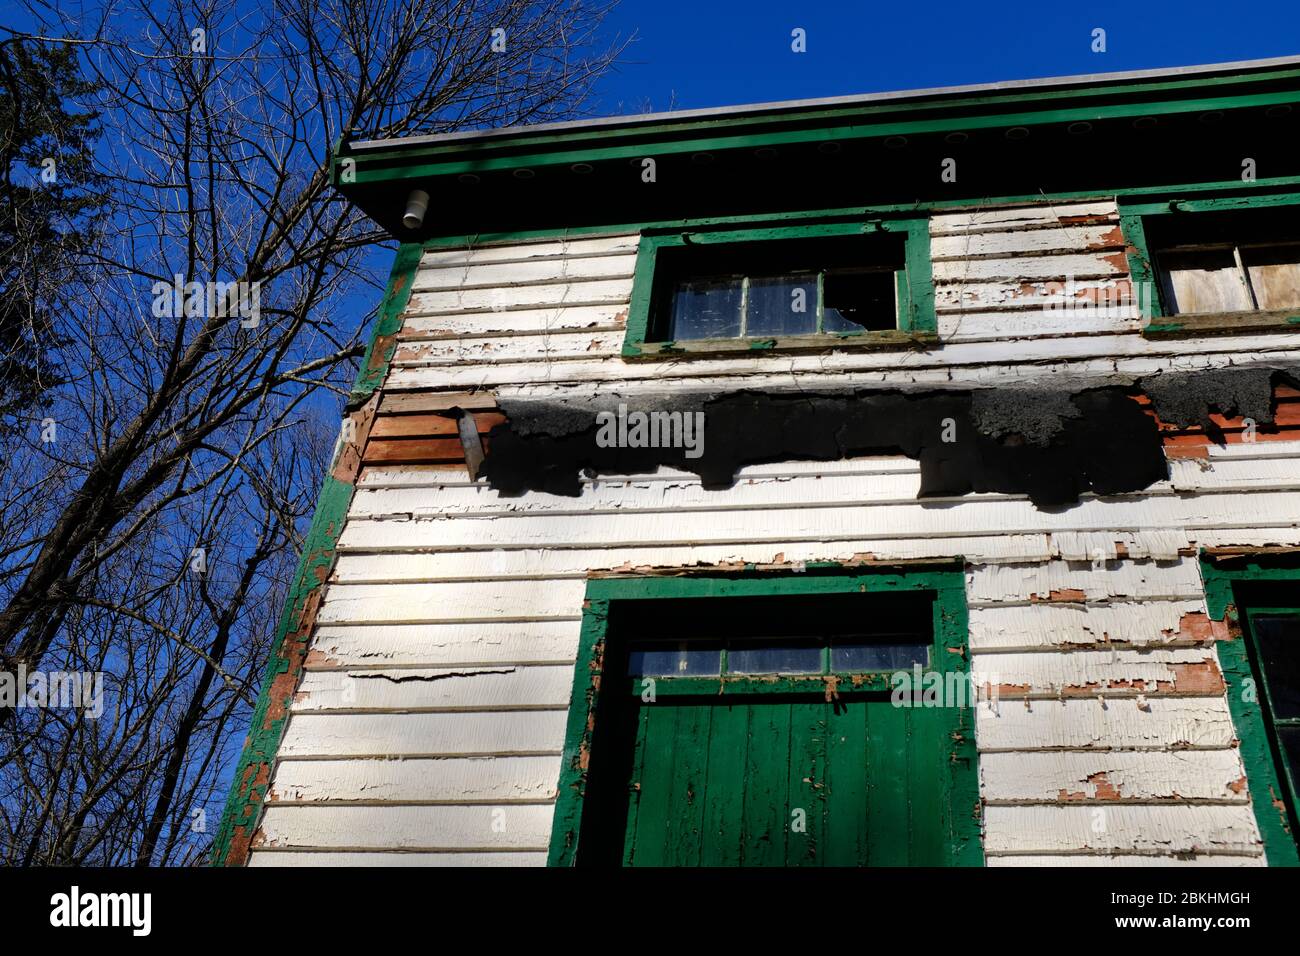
[429, 721]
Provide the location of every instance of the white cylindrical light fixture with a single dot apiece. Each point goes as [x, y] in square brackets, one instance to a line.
[417, 204]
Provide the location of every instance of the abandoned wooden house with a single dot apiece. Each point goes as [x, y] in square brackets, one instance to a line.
[895, 479]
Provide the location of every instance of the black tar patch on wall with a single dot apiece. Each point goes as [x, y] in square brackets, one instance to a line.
[1051, 444]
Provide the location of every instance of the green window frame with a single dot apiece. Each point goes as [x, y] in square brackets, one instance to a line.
[1238, 589]
[1158, 321]
[959, 802]
[916, 316]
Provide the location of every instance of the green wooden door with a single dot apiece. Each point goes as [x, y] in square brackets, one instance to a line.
[766, 779]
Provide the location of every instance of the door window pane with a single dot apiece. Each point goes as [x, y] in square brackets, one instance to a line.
[885, 653]
[685, 659]
[782, 305]
[706, 309]
[767, 658]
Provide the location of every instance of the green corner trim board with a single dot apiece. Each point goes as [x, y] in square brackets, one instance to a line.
[289, 644]
[951, 798]
[1223, 581]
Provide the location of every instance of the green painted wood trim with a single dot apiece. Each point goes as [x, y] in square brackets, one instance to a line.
[916, 300]
[860, 213]
[525, 138]
[962, 811]
[423, 160]
[1244, 693]
[1134, 215]
[288, 646]
[383, 340]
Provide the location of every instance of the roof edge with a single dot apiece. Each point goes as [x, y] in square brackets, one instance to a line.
[865, 99]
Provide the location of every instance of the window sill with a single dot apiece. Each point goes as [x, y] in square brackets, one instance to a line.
[714, 348]
[1221, 323]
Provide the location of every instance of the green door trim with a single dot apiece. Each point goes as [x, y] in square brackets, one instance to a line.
[1223, 586]
[961, 812]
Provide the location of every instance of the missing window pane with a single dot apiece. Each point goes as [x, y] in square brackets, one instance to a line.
[854, 301]
[1206, 280]
[1274, 275]
[781, 305]
[706, 309]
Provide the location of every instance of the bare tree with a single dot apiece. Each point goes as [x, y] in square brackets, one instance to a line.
[202, 427]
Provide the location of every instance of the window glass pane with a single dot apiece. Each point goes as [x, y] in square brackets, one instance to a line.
[1274, 275]
[685, 659]
[768, 658]
[1289, 739]
[706, 309]
[885, 652]
[1278, 637]
[1204, 281]
[781, 305]
[859, 300]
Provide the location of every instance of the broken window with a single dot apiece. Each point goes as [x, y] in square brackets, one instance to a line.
[772, 288]
[1228, 261]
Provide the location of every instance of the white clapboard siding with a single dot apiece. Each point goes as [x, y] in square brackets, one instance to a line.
[1156, 829]
[368, 567]
[1097, 581]
[827, 521]
[585, 292]
[970, 364]
[506, 733]
[547, 346]
[1047, 298]
[804, 491]
[514, 322]
[458, 601]
[1109, 672]
[451, 644]
[443, 780]
[824, 371]
[1038, 215]
[531, 251]
[1052, 240]
[1007, 325]
[1209, 776]
[518, 827]
[269, 857]
[506, 275]
[1080, 265]
[429, 726]
[1125, 724]
[484, 687]
[1040, 627]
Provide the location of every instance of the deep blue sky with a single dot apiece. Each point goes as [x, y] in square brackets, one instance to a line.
[721, 52]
